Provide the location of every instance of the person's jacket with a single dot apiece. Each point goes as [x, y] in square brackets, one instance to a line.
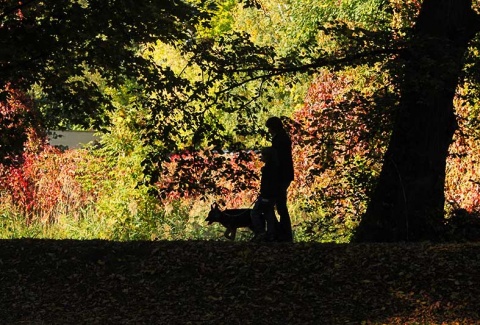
[269, 183]
[283, 145]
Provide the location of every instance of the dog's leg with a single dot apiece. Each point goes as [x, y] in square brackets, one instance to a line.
[230, 233]
[233, 233]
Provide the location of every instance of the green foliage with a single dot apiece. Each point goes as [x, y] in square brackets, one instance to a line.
[288, 24]
[14, 226]
[221, 20]
[60, 46]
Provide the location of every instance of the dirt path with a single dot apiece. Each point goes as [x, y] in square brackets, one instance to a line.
[196, 282]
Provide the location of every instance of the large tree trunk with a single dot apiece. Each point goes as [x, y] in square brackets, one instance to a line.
[408, 202]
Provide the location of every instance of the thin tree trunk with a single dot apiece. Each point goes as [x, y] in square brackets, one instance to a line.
[408, 203]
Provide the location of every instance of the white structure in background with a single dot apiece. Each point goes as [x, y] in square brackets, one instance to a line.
[71, 139]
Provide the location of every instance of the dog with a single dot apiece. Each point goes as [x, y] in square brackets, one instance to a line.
[231, 219]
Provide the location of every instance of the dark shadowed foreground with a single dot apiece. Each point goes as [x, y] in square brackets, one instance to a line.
[194, 282]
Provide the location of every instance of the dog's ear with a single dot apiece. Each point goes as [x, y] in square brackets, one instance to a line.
[209, 220]
[214, 206]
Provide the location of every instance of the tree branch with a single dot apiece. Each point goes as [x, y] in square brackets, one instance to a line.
[319, 63]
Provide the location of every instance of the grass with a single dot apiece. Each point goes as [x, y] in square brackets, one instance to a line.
[179, 220]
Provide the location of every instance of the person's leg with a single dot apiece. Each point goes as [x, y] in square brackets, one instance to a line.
[271, 220]
[258, 220]
[285, 233]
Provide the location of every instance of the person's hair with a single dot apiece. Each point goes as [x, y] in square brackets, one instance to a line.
[269, 155]
[275, 123]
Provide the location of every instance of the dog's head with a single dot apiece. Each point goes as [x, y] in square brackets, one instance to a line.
[214, 214]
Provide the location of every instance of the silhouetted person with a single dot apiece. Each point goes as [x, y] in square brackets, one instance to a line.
[283, 145]
[263, 210]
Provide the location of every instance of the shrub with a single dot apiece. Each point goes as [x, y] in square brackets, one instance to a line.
[339, 137]
[44, 187]
[462, 184]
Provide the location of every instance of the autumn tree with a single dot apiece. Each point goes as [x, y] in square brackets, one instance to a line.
[408, 203]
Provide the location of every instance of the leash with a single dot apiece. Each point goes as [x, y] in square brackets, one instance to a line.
[236, 215]
[240, 213]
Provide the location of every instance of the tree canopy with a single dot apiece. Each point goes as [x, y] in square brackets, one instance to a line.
[69, 48]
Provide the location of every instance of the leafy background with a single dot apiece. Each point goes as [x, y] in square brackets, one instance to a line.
[158, 168]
